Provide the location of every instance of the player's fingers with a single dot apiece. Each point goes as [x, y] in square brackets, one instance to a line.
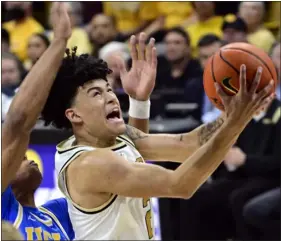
[265, 103]
[220, 91]
[141, 46]
[256, 81]
[154, 60]
[133, 48]
[148, 51]
[243, 79]
[265, 91]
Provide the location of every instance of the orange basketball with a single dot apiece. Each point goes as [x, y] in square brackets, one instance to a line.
[224, 67]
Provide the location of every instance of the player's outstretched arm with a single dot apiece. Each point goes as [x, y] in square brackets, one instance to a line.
[31, 97]
[104, 171]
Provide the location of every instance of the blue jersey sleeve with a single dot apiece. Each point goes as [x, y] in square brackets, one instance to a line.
[60, 209]
[9, 206]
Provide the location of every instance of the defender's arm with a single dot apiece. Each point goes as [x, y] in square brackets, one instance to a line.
[27, 105]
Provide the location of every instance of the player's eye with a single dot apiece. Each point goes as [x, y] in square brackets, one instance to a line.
[109, 90]
[96, 93]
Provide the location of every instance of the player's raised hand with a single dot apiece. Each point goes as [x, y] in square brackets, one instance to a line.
[241, 107]
[61, 21]
[139, 82]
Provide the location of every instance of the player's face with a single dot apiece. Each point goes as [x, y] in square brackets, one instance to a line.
[176, 47]
[97, 111]
[10, 73]
[28, 177]
[205, 9]
[36, 47]
[206, 52]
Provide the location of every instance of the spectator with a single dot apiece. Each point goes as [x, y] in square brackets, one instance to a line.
[253, 14]
[79, 36]
[275, 55]
[234, 29]
[253, 168]
[102, 31]
[207, 46]
[179, 71]
[262, 214]
[21, 27]
[207, 23]
[108, 53]
[12, 75]
[37, 45]
[5, 44]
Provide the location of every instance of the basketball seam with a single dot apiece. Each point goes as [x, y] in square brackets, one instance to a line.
[212, 69]
[227, 62]
[261, 60]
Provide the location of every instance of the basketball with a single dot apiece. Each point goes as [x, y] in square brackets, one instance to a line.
[224, 67]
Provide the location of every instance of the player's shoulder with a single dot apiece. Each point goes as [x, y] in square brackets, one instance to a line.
[56, 205]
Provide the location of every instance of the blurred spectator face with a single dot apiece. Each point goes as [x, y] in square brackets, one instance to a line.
[276, 58]
[102, 29]
[5, 46]
[204, 9]
[10, 72]
[17, 10]
[176, 47]
[232, 35]
[205, 52]
[36, 47]
[251, 12]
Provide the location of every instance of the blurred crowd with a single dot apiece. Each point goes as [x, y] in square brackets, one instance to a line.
[241, 200]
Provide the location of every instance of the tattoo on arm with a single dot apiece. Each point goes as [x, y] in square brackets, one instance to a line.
[207, 131]
[134, 133]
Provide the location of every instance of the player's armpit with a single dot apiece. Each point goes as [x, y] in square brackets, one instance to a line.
[172, 147]
[103, 171]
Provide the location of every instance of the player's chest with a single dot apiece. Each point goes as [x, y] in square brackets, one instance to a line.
[40, 227]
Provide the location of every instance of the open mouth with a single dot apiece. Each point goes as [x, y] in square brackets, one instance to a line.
[114, 115]
[33, 163]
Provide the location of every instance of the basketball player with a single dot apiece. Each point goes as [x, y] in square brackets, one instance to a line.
[22, 178]
[101, 168]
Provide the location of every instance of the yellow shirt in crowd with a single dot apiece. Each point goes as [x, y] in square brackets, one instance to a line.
[262, 38]
[20, 34]
[130, 15]
[197, 30]
[78, 38]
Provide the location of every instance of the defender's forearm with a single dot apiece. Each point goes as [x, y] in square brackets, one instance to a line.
[35, 88]
[141, 124]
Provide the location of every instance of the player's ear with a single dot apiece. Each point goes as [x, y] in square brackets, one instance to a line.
[73, 116]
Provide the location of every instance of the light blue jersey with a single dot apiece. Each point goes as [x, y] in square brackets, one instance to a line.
[48, 222]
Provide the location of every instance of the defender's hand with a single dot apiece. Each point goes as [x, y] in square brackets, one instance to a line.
[61, 21]
[139, 82]
[240, 109]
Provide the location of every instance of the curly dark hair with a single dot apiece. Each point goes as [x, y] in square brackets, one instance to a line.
[75, 71]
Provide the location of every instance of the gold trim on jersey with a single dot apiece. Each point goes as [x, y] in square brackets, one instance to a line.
[48, 222]
[18, 220]
[53, 216]
[127, 140]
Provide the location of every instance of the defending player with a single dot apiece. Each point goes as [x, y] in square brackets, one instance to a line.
[101, 169]
[20, 177]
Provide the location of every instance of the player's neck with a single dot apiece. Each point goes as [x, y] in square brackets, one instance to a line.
[90, 140]
[180, 64]
[26, 200]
